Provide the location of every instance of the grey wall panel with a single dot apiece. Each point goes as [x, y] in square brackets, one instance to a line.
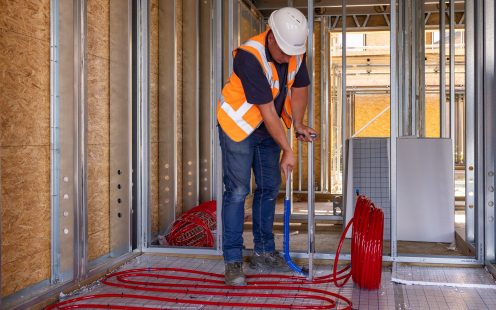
[120, 126]
[469, 151]
[66, 112]
[79, 171]
[369, 174]
[425, 190]
[206, 102]
[489, 131]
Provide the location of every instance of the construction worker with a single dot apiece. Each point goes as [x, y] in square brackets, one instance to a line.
[270, 81]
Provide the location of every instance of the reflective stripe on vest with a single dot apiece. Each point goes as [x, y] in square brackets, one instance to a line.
[237, 115]
[292, 74]
[261, 50]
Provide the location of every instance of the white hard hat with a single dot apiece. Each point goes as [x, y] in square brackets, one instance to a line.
[290, 29]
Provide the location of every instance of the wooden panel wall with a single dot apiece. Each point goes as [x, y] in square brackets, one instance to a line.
[98, 128]
[156, 48]
[24, 143]
[366, 108]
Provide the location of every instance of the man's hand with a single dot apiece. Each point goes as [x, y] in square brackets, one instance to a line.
[274, 126]
[305, 133]
[288, 161]
[299, 99]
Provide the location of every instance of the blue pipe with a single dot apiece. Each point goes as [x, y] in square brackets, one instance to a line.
[287, 258]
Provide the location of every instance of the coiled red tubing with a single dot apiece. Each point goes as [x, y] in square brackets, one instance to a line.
[366, 259]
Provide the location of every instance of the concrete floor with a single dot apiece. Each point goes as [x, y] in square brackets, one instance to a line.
[328, 234]
[469, 288]
[327, 241]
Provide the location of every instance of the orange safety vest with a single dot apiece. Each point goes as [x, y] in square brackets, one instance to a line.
[239, 118]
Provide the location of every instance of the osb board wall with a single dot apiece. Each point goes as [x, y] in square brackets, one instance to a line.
[98, 127]
[367, 107]
[24, 143]
[432, 116]
[154, 115]
[154, 111]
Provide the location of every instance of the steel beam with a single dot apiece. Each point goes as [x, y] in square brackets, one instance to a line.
[218, 49]
[120, 126]
[418, 68]
[462, 20]
[324, 77]
[479, 129]
[142, 146]
[207, 117]
[299, 4]
[489, 132]
[167, 101]
[230, 35]
[452, 111]
[300, 165]
[79, 129]
[365, 22]
[63, 144]
[442, 72]
[190, 104]
[469, 152]
[323, 124]
[412, 68]
[54, 141]
[311, 177]
[299, 147]
[403, 44]
[333, 8]
[143, 121]
[452, 85]
[395, 104]
[344, 106]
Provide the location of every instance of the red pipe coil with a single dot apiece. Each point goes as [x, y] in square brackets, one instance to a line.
[194, 227]
[366, 259]
[366, 245]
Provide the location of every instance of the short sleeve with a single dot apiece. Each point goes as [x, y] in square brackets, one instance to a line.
[302, 79]
[255, 84]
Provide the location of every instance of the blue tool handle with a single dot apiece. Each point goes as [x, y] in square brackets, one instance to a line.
[287, 213]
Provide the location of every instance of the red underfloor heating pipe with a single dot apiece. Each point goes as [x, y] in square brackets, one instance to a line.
[196, 286]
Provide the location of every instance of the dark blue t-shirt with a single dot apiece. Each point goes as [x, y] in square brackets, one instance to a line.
[255, 85]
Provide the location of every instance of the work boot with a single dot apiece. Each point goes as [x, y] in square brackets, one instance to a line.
[234, 275]
[268, 261]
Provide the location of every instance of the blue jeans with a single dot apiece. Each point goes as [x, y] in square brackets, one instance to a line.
[261, 153]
